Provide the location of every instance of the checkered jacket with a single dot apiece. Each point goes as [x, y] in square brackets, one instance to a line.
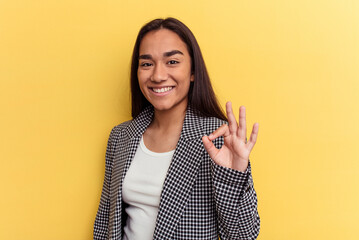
[199, 199]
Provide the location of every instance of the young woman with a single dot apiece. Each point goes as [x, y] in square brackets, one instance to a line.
[177, 170]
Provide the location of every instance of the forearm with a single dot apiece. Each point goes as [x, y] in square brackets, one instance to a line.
[236, 203]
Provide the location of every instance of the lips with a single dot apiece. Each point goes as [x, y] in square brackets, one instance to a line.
[161, 89]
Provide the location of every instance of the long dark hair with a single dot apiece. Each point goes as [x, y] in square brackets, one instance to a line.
[201, 96]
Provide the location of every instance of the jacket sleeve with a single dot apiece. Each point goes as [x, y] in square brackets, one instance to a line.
[102, 216]
[236, 203]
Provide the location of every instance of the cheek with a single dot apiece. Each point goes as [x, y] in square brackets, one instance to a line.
[140, 78]
[141, 85]
[143, 90]
[186, 86]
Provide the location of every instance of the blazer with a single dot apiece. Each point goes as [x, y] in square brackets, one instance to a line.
[199, 199]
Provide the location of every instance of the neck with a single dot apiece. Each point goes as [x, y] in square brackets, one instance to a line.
[171, 120]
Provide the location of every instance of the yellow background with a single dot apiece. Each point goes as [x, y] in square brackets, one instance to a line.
[64, 70]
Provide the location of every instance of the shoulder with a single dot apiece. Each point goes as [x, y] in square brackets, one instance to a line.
[119, 129]
[134, 127]
[122, 126]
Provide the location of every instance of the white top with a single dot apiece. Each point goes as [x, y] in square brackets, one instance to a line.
[142, 189]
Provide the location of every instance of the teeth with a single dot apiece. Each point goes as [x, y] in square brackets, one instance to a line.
[161, 90]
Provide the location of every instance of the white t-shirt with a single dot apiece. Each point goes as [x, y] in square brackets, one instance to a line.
[142, 189]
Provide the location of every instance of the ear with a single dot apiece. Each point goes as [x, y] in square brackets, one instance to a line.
[192, 78]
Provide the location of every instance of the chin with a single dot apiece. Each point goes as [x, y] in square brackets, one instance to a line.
[161, 107]
[169, 105]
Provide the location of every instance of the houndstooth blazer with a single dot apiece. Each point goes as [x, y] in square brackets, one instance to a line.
[199, 199]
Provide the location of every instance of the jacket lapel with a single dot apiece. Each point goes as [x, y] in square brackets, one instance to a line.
[180, 177]
[125, 152]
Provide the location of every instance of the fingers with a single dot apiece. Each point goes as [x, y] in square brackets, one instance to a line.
[221, 131]
[231, 119]
[253, 138]
[209, 146]
[242, 129]
[207, 140]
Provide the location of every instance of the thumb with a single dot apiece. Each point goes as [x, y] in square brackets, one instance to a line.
[209, 146]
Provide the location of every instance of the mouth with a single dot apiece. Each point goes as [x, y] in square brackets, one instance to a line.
[161, 89]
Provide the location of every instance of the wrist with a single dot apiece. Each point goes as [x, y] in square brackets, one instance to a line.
[241, 165]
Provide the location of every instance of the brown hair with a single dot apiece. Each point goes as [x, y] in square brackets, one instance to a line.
[201, 96]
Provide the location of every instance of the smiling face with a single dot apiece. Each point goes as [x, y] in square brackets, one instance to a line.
[164, 70]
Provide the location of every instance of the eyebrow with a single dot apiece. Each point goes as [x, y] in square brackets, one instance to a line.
[171, 53]
[166, 54]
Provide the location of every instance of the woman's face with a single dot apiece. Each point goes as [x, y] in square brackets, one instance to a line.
[164, 70]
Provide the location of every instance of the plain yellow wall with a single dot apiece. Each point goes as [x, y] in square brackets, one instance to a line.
[64, 70]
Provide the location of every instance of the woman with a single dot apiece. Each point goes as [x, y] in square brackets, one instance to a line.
[177, 170]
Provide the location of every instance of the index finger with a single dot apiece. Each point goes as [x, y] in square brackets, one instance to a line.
[242, 129]
[232, 123]
[221, 131]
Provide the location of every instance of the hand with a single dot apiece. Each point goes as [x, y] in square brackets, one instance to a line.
[235, 150]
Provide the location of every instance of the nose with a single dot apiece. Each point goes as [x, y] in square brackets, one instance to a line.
[159, 73]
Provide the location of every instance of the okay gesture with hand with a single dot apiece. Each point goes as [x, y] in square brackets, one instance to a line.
[235, 151]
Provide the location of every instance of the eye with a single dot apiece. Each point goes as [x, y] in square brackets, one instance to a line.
[172, 62]
[145, 64]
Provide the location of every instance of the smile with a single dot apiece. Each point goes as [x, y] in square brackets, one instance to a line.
[162, 90]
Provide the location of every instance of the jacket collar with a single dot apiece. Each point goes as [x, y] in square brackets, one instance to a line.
[192, 125]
